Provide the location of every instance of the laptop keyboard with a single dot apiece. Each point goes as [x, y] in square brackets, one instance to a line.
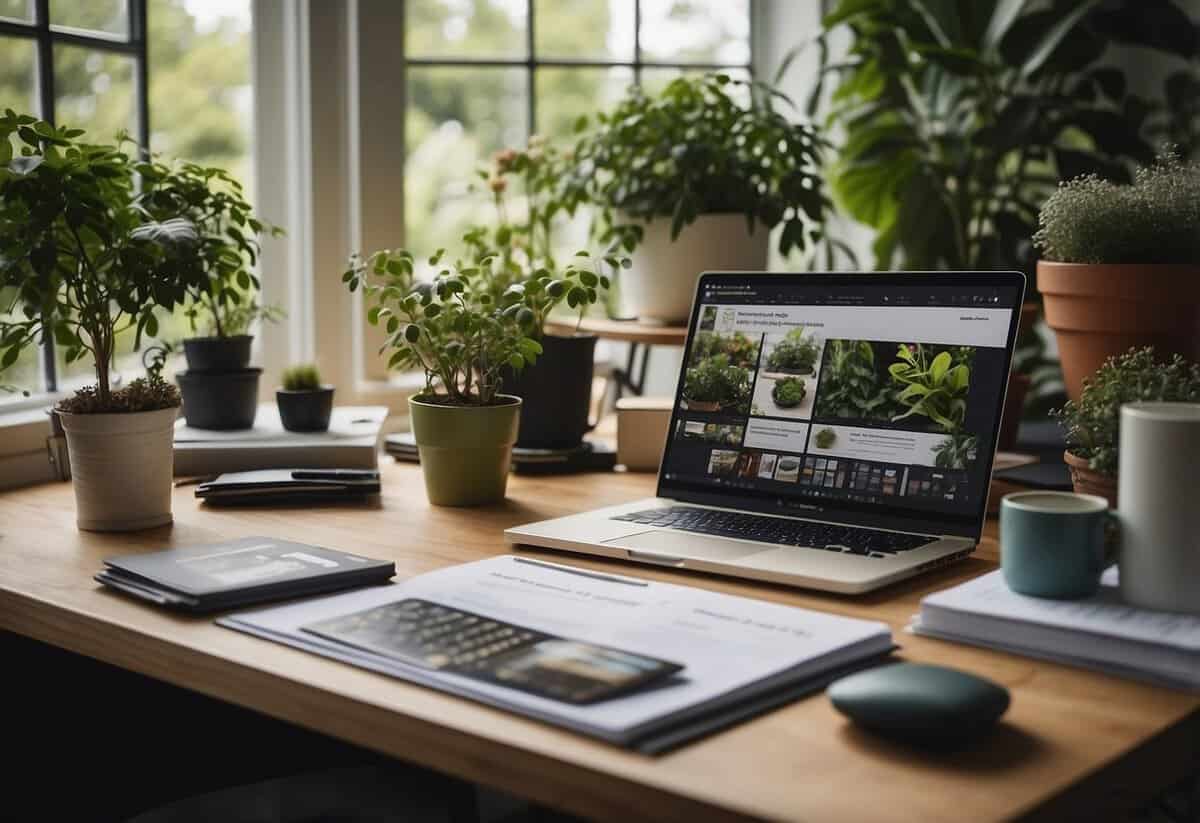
[784, 531]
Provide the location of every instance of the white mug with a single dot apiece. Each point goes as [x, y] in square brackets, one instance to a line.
[1159, 505]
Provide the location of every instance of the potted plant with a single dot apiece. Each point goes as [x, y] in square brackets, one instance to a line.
[715, 384]
[557, 390]
[794, 354]
[82, 266]
[1091, 422]
[220, 388]
[788, 392]
[305, 403]
[705, 170]
[825, 438]
[463, 338]
[1120, 266]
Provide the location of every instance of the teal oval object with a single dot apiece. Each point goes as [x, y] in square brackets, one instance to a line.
[920, 703]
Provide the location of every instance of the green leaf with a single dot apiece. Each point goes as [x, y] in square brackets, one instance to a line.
[1004, 15]
[1054, 36]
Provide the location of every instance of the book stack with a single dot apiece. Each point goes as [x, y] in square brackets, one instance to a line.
[1100, 632]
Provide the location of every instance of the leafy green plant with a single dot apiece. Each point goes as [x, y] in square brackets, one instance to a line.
[957, 451]
[695, 149]
[788, 392]
[825, 438]
[226, 241]
[523, 237]
[960, 118]
[80, 260]
[741, 350]
[934, 386]
[1092, 423]
[716, 380]
[795, 353]
[303, 377]
[1156, 219]
[850, 385]
[453, 327]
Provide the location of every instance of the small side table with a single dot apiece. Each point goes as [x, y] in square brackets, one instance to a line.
[641, 337]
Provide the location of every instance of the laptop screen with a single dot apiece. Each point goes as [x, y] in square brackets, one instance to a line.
[872, 399]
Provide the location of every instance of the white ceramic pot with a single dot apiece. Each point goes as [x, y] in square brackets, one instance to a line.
[662, 281]
[1160, 518]
[121, 466]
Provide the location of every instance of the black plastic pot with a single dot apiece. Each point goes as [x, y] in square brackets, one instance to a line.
[219, 400]
[557, 393]
[223, 354]
[305, 411]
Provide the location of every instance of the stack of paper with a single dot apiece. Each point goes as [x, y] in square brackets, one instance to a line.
[739, 656]
[352, 442]
[1100, 632]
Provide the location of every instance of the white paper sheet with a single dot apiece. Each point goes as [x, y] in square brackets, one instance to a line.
[725, 643]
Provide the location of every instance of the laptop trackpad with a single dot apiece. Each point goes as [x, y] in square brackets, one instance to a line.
[683, 544]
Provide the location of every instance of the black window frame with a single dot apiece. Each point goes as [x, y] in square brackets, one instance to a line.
[47, 36]
[531, 62]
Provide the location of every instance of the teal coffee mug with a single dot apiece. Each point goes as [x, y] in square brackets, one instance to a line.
[1053, 544]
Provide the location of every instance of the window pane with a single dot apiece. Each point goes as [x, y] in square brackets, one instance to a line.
[26, 373]
[696, 31]
[21, 10]
[445, 29]
[564, 94]
[457, 118]
[108, 16]
[18, 75]
[584, 29]
[95, 92]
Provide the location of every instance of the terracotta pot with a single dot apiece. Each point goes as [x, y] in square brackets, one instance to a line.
[1102, 310]
[1086, 481]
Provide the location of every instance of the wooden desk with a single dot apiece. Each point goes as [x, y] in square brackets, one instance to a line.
[1074, 745]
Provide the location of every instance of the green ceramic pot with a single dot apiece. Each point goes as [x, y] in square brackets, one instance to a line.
[465, 451]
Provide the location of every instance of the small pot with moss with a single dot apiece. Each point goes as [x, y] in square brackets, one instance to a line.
[789, 392]
[1120, 266]
[1091, 422]
[305, 404]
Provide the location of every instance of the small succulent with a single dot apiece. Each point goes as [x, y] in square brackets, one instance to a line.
[1156, 219]
[825, 438]
[1092, 422]
[788, 392]
[304, 377]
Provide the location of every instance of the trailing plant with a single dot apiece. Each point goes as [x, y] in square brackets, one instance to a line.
[523, 237]
[304, 377]
[1092, 423]
[934, 386]
[1156, 219]
[82, 261]
[453, 328]
[960, 118]
[715, 380]
[825, 438]
[788, 392]
[226, 241]
[695, 149]
[850, 386]
[957, 451]
[796, 353]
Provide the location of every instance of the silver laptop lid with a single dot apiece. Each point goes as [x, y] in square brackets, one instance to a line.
[872, 399]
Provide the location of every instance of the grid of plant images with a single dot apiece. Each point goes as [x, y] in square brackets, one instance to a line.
[859, 418]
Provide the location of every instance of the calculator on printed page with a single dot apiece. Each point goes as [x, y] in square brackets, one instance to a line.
[422, 633]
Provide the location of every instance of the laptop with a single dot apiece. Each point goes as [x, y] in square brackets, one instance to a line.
[829, 431]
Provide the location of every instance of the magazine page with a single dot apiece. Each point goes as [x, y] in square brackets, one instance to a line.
[723, 643]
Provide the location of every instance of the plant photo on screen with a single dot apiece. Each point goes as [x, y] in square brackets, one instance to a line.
[718, 377]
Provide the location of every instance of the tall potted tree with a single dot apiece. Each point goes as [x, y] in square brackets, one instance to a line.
[704, 170]
[83, 267]
[220, 388]
[463, 338]
[557, 390]
[1120, 266]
